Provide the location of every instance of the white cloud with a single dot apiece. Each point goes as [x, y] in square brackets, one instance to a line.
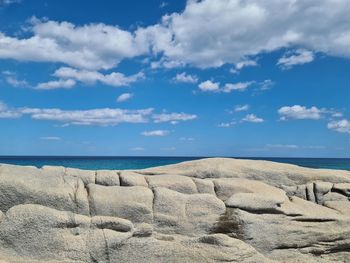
[51, 138]
[155, 133]
[173, 117]
[252, 118]
[298, 57]
[98, 117]
[342, 126]
[243, 64]
[240, 29]
[8, 113]
[298, 112]
[226, 124]
[235, 32]
[266, 84]
[56, 84]
[115, 79]
[91, 46]
[337, 114]
[124, 97]
[185, 78]
[208, 85]
[13, 81]
[239, 108]
[240, 86]
[94, 117]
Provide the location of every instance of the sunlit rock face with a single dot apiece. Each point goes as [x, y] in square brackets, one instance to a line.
[209, 210]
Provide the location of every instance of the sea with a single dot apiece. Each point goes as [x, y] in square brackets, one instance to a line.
[138, 162]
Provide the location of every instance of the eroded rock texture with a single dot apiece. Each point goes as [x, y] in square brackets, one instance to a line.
[211, 210]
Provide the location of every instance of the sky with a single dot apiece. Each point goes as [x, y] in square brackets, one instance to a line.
[244, 78]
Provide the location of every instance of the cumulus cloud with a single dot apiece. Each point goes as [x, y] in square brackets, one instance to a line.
[233, 24]
[342, 126]
[155, 133]
[115, 79]
[252, 118]
[298, 57]
[56, 84]
[124, 97]
[239, 31]
[92, 46]
[173, 117]
[298, 112]
[209, 85]
[239, 108]
[185, 78]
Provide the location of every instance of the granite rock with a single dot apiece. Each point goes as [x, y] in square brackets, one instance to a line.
[209, 210]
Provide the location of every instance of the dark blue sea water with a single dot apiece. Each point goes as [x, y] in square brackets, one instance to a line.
[111, 163]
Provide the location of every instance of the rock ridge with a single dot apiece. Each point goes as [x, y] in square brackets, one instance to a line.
[209, 210]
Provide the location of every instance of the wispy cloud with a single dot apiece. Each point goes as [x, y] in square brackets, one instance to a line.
[114, 79]
[156, 133]
[124, 97]
[185, 78]
[226, 124]
[50, 138]
[342, 126]
[282, 146]
[252, 118]
[243, 64]
[173, 117]
[210, 86]
[12, 79]
[56, 84]
[9, 2]
[239, 108]
[240, 86]
[187, 139]
[298, 57]
[99, 117]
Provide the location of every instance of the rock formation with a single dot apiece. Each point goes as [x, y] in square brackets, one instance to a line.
[210, 210]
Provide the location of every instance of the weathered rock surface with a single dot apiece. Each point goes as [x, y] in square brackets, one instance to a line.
[210, 210]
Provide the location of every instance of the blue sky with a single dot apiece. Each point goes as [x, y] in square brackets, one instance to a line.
[176, 78]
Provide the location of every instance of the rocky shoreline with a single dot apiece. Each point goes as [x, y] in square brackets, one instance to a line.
[209, 210]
